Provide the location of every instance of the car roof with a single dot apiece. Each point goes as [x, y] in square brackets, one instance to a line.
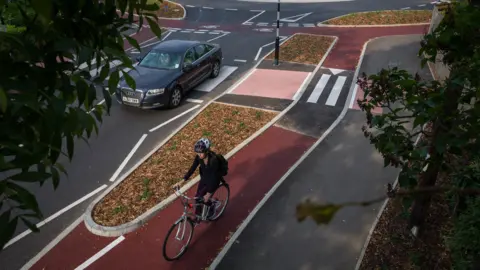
[176, 45]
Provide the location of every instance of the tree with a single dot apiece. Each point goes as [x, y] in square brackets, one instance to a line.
[45, 99]
[445, 115]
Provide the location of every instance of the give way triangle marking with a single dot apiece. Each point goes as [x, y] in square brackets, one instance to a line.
[295, 18]
[335, 71]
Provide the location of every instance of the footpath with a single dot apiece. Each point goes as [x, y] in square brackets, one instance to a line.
[254, 170]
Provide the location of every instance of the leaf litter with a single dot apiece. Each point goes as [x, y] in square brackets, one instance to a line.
[226, 126]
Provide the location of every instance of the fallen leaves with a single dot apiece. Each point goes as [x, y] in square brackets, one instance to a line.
[383, 17]
[226, 126]
[169, 9]
[304, 48]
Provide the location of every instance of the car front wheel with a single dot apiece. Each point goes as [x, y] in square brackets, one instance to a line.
[175, 97]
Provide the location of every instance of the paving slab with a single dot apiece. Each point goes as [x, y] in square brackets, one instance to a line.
[266, 103]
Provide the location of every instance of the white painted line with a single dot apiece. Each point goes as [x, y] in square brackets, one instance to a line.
[209, 85]
[309, 24]
[185, 31]
[203, 30]
[239, 60]
[257, 10]
[295, 18]
[352, 100]
[405, 8]
[336, 90]
[317, 91]
[260, 49]
[260, 13]
[207, 7]
[99, 254]
[422, 5]
[194, 100]
[129, 156]
[174, 118]
[336, 71]
[247, 23]
[54, 216]
[214, 33]
[199, 32]
[190, 6]
[293, 25]
[190, 29]
[231, 9]
[299, 92]
[210, 40]
[262, 24]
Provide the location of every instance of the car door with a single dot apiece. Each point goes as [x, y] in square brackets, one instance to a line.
[202, 54]
[190, 77]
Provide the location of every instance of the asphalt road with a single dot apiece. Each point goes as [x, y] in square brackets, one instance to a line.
[345, 167]
[93, 165]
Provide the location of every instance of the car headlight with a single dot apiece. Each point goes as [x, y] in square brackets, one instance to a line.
[153, 92]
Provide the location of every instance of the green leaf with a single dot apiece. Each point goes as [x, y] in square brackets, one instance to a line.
[70, 146]
[33, 227]
[108, 99]
[154, 26]
[31, 176]
[82, 88]
[61, 168]
[112, 83]
[104, 72]
[133, 42]
[43, 8]
[3, 100]
[55, 177]
[7, 227]
[24, 197]
[56, 147]
[321, 214]
[130, 81]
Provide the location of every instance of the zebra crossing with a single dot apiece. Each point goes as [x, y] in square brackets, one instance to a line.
[328, 87]
[266, 24]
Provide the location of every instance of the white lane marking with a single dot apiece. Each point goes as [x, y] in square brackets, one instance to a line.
[54, 216]
[174, 118]
[210, 40]
[293, 25]
[194, 100]
[336, 90]
[100, 253]
[309, 25]
[208, 7]
[262, 24]
[129, 156]
[260, 13]
[199, 32]
[209, 85]
[405, 8]
[185, 31]
[190, 6]
[260, 49]
[422, 5]
[248, 23]
[353, 96]
[214, 33]
[231, 9]
[336, 71]
[317, 91]
[295, 18]
[299, 92]
[240, 60]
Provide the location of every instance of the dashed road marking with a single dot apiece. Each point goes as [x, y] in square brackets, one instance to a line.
[192, 100]
[240, 60]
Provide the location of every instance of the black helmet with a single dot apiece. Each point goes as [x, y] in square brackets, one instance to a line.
[202, 145]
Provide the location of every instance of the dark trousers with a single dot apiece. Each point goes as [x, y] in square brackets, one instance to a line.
[202, 190]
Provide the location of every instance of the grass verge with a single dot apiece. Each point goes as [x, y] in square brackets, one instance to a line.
[226, 126]
[169, 9]
[383, 17]
[304, 48]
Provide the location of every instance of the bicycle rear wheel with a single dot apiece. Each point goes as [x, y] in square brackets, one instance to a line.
[180, 230]
[220, 204]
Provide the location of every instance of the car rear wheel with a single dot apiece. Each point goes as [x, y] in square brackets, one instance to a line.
[215, 69]
[175, 97]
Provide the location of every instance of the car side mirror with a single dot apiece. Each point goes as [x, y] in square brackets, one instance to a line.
[139, 58]
[187, 66]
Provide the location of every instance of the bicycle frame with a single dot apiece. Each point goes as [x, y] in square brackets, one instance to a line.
[186, 206]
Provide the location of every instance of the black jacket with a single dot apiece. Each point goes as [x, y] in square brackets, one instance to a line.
[209, 174]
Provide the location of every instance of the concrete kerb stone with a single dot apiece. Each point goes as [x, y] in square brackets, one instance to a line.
[114, 231]
[322, 23]
[244, 224]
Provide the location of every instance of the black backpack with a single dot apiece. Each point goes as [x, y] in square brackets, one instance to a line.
[222, 164]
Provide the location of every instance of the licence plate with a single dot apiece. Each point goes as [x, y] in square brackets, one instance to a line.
[131, 100]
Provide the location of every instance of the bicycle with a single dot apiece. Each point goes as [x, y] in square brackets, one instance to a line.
[186, 220]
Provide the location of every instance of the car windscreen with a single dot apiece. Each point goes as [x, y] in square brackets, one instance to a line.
[161, 60]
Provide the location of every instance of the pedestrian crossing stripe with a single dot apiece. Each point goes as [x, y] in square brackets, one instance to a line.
[329, 87]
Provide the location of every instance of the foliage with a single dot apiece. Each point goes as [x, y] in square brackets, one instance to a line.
[45, 100]
[464, 242]
[410, 104]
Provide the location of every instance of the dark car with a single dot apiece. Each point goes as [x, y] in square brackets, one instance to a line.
[168, 71]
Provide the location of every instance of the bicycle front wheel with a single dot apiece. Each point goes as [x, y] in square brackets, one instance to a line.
[179, 235]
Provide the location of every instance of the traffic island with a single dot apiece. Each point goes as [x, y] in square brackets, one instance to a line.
[303, 49]
[169, 10]
[381, 18]
[148, 187]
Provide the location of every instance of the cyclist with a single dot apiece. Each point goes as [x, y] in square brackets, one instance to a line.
[209, 173]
